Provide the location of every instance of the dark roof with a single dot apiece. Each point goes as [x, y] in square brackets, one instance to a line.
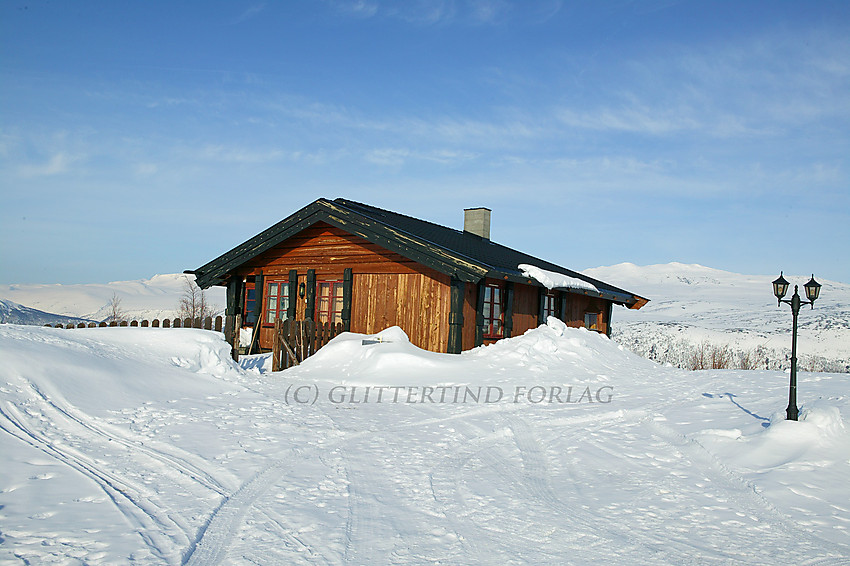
[461, 254]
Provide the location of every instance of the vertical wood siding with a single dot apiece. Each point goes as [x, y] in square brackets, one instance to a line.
[419, 303]
[525, 308]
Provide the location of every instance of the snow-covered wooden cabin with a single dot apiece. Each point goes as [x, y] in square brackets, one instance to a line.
[369, 268]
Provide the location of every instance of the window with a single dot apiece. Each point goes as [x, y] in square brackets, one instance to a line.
[493, 312]
[277, 302]
[248, 318]
[591, 320]
[549, 306]
[329, 301]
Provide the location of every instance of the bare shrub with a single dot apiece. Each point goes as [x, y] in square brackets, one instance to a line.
[747, 359]
[699, 358]
[116, 312]
[193, 304]
[721, 357]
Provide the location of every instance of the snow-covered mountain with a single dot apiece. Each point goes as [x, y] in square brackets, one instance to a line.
[695, 308]
[13, 313]
[157, 297]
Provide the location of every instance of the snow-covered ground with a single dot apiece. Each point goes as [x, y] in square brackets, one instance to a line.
[157, 297]
[149, 446]
[693, 305]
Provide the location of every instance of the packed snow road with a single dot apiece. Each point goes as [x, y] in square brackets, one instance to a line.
[149, 446]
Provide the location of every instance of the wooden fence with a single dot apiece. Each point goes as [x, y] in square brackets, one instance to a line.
[295, 340]
[208, 323]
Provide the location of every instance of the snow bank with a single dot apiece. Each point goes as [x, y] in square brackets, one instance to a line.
[125, 367]
[387, 357]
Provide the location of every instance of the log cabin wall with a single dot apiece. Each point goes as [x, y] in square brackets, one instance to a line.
[525, 309]
[577, 306]
[387, 288]
[419, 303]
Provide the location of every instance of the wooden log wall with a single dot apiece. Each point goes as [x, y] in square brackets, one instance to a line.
[328, 250]
[419, 303]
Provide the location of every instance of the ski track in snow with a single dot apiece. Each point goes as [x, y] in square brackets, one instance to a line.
[158, 529]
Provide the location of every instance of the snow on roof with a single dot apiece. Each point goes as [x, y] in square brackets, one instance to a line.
[552, 280]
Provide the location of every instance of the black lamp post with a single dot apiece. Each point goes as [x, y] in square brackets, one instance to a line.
[780, 287]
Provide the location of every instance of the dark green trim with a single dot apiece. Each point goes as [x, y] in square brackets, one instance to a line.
[457, 291]
[479, 314]
[293, 294]
[561, 305]
[608, 312]
[232, 295]
[310, 309]
[509, 309]
[347, 284]
[541, 305]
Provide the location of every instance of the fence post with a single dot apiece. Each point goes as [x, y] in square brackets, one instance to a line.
[310, 334]
[208, 323]
[286, 327]
[218, 321]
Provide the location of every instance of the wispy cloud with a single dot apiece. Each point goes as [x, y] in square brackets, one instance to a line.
[401, 156]
[57, 164]
[440, 12]
[357, 8]
[250, 13]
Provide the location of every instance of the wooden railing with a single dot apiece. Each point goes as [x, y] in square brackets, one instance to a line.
[208, 323]
[293, 341]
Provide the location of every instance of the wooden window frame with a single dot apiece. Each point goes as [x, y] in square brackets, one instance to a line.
[280, 311]
[248, 304]
[593, 324]
[336, 301]
[487, 313]
[550, 305]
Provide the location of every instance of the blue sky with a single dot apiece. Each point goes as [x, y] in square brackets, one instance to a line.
[149, 137]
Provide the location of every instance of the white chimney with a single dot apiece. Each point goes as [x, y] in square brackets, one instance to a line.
[477, 221]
